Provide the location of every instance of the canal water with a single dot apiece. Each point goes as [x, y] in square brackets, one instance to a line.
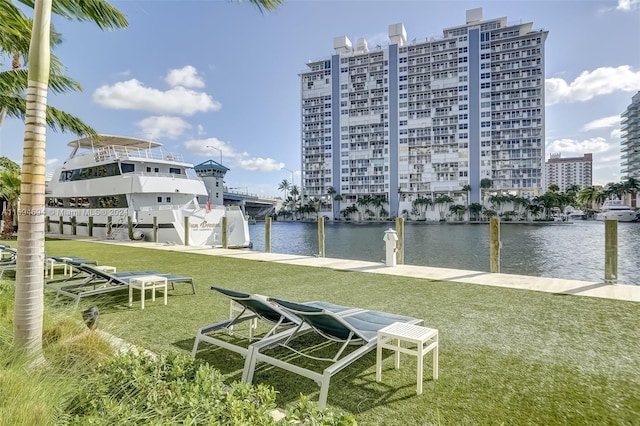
[571, 251]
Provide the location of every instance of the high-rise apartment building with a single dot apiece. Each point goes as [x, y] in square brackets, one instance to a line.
[426, 117]
[566, 172]
[630, 145]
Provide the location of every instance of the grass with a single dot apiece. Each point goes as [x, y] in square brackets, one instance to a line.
[506, 356]
[33, 393]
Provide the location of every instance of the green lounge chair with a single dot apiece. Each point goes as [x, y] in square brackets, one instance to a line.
[88, 281]
[358, 327]
[254, 308]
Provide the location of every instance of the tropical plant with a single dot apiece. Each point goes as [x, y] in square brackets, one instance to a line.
[350, 211]
[554, 187]
[587, 197]
[458, 210]
[14, 44]
[363, 203]
[614, 189]
[29, 305]
[332, 193]
[475, 209]
[489, 213]
[10, 191]
[443, 201]
[467, 190]
[10, 165]
[377, 203]
[485, 184]
[284, 187]
[420, 204]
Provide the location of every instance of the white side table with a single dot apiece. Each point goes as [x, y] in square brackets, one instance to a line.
[147, 282]
[106, 268]
[51, 264]
[418, 341]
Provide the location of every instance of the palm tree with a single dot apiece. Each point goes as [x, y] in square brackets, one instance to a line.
[29, 301]
[378, 205]
[363, 203]
[443, 202]
[614, 189]
[475, 209]
[338, 198]
[420, 204]
[331, 192]
[458, 210]
[466, 189]
[284, 186]
[588, 196]
[484, 185]
[10, 191]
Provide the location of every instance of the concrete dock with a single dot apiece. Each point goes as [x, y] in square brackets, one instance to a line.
[523, 282]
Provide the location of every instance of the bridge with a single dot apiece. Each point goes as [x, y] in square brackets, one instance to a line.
[252, 205]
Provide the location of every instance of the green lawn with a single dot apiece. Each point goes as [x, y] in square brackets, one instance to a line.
[506, 356]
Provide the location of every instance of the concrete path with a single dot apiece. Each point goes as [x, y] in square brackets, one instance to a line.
[523, 282]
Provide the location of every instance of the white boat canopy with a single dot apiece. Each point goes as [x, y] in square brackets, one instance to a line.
[91, 142]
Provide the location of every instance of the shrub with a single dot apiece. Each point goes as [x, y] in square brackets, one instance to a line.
[143, 389]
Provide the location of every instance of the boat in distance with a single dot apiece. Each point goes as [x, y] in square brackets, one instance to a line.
[113, 178]
[616, 209]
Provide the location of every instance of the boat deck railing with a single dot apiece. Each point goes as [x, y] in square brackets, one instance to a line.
[113, 152]
[158, 174]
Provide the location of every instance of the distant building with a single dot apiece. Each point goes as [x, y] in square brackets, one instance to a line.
[630, 144]
[428, 116]
[566, 172]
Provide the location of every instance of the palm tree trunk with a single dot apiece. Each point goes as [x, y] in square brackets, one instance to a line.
[7, 224]
[29, 302]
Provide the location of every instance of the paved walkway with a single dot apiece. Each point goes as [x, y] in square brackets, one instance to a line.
[524, 282]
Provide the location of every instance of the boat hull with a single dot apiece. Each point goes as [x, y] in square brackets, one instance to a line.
[184, 226]
[620, 216]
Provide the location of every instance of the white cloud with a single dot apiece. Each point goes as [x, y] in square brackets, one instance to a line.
[185, 77]
[259, 164]
[211, 147]
[611, 121]
[589, 84]
[616, 134]
[573, 147]
[163, 126]
[200, 129]
[132, 94]
[627, 5]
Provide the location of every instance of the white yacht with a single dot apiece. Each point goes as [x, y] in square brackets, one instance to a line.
[616, 209]
[107, 180]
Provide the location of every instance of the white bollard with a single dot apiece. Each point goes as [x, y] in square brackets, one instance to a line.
[390, 239]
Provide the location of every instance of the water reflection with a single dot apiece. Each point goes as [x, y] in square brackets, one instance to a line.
[570, 251]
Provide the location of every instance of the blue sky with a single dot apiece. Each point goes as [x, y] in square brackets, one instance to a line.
[193, 74]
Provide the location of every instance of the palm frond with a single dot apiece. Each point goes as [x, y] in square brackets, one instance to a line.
[100, 12]
[15, 82]
[266, 5]
[57, 120]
